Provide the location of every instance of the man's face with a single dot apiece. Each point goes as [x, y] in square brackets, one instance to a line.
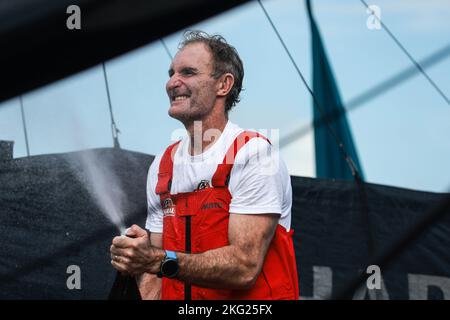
[191, 88]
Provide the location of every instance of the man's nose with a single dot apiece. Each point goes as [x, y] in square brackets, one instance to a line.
[173, 83]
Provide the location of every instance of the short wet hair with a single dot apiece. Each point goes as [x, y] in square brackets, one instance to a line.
[225, 60]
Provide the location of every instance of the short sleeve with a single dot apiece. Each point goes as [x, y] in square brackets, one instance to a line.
[154, 221]
[256, 182]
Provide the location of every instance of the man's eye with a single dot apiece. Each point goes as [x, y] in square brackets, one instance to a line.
[188, 72]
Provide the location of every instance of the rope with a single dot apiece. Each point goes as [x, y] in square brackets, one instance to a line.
[316, 104]
[370, 94]
[24, 126]
[166, 48]
[416, 64]
[114, 130]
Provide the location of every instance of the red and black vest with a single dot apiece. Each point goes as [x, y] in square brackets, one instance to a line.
[192, 225]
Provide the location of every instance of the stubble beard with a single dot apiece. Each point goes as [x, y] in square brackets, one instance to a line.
[192, 114]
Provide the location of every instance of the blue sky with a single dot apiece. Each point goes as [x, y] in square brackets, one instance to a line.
[402, 137]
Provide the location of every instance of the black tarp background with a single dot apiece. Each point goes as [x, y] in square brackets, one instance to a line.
[48, 221]
[331, 233]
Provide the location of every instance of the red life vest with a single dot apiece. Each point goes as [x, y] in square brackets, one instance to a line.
[197, 221]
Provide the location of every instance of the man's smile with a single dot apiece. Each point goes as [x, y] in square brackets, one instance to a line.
[178, 98]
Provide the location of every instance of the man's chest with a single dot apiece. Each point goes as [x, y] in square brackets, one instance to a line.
[189, 177]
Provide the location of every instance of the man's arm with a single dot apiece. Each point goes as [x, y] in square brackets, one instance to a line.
[149, 284]
[236, 266]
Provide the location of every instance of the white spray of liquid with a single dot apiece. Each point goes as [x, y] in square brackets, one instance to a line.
[98, 177]
[103, 185]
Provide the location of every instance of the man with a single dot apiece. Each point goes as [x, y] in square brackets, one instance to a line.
[219, 200]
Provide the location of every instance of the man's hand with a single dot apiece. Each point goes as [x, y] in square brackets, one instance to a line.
[133, 254]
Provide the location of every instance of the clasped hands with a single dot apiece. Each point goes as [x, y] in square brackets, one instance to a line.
[133, 253]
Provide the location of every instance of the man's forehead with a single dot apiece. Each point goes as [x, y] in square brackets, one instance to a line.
[192, 55]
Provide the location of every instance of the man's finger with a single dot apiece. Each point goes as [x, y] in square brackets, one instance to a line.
[123, 266]
[120, 251]
[135, 231]
[122, 242]
[119, 266]
[123, 259]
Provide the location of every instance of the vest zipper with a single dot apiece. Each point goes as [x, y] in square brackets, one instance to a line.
[187, 287]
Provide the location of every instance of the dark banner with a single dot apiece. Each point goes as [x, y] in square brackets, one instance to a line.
[55, 229]
[333, 233]
[58, 214]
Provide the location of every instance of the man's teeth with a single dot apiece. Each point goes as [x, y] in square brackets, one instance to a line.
[177, 98]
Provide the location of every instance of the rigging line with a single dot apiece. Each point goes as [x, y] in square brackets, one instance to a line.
[418, 66]
[316, 104]
[370, 94]
[166, 48]
[114, 130]
[24, 125]
[399, 77]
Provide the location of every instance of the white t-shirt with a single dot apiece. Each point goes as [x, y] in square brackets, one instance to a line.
[259, 181]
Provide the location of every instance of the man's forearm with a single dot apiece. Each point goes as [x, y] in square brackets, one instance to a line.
[149, 286]
[222, 268]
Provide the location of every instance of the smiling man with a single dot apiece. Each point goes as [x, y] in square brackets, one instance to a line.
[219, 200]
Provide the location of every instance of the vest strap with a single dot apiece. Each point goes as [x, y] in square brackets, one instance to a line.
[221, 177]
[166, 170]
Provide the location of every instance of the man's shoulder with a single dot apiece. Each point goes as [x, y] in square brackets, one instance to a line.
[259, 145]
[172, 145]
[155, 163]
[235, 131]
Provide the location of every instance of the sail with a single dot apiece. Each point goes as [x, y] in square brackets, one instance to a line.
[330, 161]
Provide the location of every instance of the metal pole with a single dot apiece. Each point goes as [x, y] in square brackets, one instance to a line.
[24, 125]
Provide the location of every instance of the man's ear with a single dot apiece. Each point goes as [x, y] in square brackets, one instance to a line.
[226, 82]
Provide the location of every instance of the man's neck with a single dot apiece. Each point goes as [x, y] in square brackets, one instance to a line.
[204, 133]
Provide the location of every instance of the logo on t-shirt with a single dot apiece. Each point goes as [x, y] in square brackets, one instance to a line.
[168, 207]
[203, 185]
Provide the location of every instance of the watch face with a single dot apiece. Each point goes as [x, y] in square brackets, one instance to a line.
[170, 268]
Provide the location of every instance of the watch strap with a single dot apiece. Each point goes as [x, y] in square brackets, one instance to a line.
[171, 255]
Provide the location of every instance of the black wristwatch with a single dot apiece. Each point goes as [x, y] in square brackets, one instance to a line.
[169, 265]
